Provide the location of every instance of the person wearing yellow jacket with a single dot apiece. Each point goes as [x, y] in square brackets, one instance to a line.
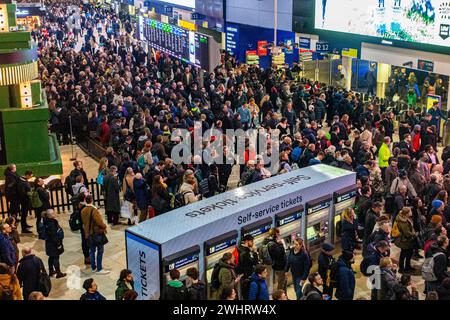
[383, 155]
[9, 284]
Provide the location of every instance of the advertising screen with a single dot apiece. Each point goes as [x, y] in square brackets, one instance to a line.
[189, 46]
[417, 21]
[182, 3]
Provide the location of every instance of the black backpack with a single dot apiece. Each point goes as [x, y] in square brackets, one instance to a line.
[75, 223]
[333, 274]
[68, 183]
[180, 200]
[215, 283]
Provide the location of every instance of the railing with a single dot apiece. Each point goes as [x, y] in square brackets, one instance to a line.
[92, 147]
[59, 198]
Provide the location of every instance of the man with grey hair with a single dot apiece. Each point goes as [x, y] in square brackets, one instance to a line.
[28, 272]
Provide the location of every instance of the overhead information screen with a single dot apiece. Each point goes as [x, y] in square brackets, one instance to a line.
[417, 21]
[186, 45]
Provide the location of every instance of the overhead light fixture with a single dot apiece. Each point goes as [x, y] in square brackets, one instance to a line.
[387, 42]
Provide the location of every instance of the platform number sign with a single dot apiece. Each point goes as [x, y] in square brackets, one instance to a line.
[322, 46]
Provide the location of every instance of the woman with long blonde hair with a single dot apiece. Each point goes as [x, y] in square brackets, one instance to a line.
[349, 228]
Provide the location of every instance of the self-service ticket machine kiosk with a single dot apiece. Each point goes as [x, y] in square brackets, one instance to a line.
[181, 261]
[259, 230]
[214, 249]
[343, 199]
[317, 219]
[290, 225]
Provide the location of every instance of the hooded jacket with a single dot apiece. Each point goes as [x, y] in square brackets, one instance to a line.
[175, 290]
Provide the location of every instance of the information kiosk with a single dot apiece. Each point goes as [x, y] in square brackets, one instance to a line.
[159, 242]
[343, 199]
[317, 219]
[214, 249]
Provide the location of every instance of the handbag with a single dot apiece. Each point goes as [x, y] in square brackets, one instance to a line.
[126, 210]
[129, 195]
[44, 280]
[96, 239]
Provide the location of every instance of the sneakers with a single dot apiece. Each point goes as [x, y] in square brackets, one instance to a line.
[103, 272]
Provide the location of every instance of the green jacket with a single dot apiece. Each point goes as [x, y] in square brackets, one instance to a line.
[407, 235]
[383, 156]
[122, 288]
[226, 277]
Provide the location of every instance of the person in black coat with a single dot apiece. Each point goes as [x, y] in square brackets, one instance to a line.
[349, 228]
[44, 196]
[197, 288]
[372, 260]
[14, 193]
[28, 271]
[324, 261]
[278, 254]
[299, 263]
[439, 249]
[444, 290]
[111, 189]
[370, 222]
[53, 244]
[248, 259]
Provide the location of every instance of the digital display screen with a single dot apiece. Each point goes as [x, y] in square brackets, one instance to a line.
[182, 3]
[417, 21]
[186, 45]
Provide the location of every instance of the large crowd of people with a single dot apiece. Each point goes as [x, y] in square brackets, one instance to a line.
[100, 82]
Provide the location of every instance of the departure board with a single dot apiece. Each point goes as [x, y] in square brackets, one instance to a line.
[186, 45]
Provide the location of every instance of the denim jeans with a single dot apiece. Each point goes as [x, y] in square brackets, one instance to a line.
[99, 249]
[297, 286]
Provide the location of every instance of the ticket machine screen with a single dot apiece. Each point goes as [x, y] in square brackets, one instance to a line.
[317, 230]
[181, 261]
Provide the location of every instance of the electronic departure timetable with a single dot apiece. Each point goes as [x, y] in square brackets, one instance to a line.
[186, 45]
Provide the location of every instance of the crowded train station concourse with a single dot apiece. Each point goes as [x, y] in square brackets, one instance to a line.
[260, 150]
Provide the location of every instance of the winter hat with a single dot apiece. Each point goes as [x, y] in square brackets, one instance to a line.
[436, 219]
[437, 204]
[347, 255]
[327, 247]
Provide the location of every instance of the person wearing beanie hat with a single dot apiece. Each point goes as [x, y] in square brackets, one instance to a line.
[437, 204]
[346, 286]
[436, 219]
[324, 260]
